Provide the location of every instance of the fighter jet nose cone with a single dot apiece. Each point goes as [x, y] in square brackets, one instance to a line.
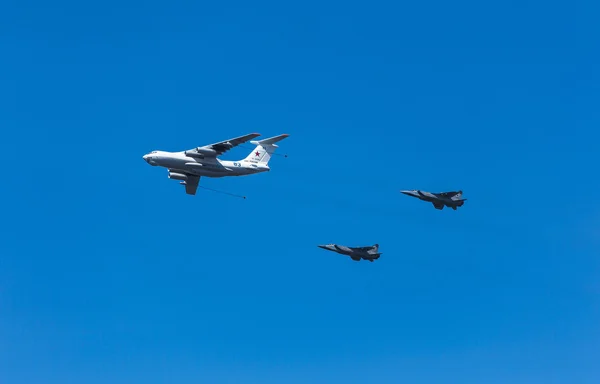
[406, 192]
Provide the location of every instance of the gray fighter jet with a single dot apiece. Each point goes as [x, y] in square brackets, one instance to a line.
[356, 253]
[440, 199]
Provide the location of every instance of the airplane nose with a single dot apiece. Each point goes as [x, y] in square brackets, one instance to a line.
[409, 193]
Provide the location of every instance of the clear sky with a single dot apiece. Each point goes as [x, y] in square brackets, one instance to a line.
[109, 272]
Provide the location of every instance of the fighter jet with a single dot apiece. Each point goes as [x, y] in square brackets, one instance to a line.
[192, 164]
[356, 253]
[440, 199]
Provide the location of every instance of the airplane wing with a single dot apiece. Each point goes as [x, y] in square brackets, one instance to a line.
[438, 205]
[190, 181]
[217, 149]
[191, 184]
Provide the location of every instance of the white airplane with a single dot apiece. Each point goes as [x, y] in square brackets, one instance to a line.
[192, 164]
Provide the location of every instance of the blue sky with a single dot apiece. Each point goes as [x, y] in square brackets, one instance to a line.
[110, 272]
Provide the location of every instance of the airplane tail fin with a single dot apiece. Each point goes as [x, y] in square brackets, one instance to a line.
[375, 248]
[458, 196]
[264, 149]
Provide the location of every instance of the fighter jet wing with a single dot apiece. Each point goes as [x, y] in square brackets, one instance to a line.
[217, 149]
[438, 205]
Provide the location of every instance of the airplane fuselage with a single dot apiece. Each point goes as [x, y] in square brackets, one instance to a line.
[337, 248]
[433, 198]
[355, 254]
[208, 167]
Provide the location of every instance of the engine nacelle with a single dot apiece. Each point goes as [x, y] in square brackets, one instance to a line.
[206, 151]
[177, 176]
[194, 154]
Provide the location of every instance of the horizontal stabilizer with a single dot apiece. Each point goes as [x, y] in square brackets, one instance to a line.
[270, 140]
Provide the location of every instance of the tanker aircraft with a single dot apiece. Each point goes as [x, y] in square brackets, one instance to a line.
[188, 166]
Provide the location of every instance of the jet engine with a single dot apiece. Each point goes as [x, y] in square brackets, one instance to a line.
[206, 151]
[177, 176]
[194, 154]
